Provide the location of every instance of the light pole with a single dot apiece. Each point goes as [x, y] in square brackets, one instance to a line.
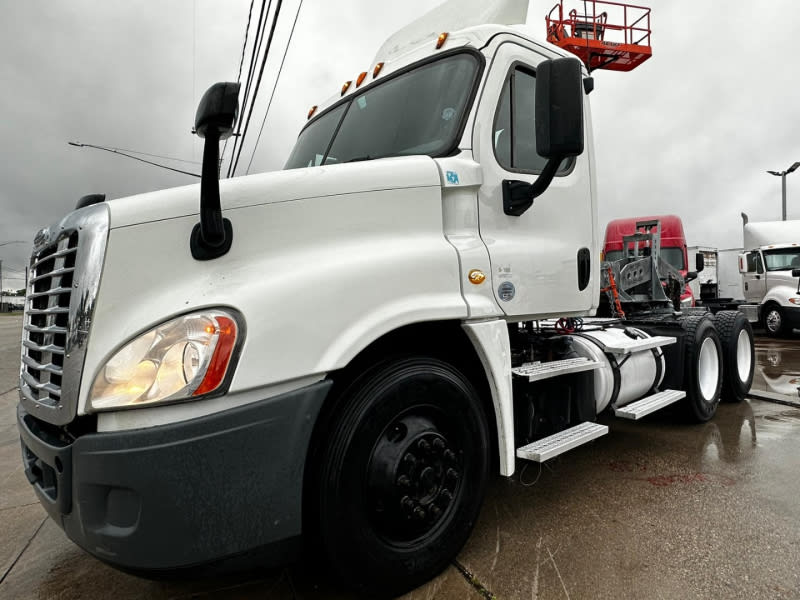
[782, 175]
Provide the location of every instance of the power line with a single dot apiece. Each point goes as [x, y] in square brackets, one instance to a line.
[258, 83]
[263, 17]
[239, 75]
[113, 151]
[274, 87]
[183, 160]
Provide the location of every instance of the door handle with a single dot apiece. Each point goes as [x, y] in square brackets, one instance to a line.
[758, 276]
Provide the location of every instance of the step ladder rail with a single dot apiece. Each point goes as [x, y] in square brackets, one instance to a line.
[648, 405]
[558, 443]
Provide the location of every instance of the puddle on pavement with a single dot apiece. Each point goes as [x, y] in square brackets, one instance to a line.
[777, 368]
[731, 436]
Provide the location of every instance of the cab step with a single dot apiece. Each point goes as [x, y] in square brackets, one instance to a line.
[637, 345]
[645, 406]
[536, 371]
[558, 443]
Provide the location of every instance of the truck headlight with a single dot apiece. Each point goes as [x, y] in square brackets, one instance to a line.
[794, 300]
[182, 358]
[687, 302]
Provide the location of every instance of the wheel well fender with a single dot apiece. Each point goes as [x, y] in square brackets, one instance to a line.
[445, 340]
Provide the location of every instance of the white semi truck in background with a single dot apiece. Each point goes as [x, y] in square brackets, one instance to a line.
[343, 351]
[759, 279]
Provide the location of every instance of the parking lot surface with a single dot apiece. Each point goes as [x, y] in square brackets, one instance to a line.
[656, 509]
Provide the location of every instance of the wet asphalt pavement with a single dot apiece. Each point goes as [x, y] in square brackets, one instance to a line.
[655, 509]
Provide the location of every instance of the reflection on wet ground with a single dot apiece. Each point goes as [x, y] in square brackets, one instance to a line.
[777, 369]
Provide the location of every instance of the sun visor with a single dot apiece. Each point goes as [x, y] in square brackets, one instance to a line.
[453, 15]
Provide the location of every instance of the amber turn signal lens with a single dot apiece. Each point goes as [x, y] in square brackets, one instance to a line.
[361, 78]
[440, 42]
[476, 276]
[311, 111]
[346, 87]
[377, 70]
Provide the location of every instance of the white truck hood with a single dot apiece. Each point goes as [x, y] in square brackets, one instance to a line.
[280, 186]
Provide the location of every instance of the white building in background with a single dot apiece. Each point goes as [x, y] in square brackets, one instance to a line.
[10, 303]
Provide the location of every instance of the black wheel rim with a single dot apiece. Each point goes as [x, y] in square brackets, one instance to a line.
[414, 477]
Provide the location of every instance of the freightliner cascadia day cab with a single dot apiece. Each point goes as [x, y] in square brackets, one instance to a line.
[673, 247]
[341, 353]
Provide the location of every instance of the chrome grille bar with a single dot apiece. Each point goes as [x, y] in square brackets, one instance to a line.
[49, 367]
[58, 254]
[56, 273]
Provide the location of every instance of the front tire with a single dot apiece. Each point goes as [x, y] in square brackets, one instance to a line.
[738, 354]
[775, 321]
[702, 375]
[403, 475]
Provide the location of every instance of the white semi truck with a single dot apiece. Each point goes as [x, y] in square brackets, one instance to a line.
[342, 352]
[758, 279]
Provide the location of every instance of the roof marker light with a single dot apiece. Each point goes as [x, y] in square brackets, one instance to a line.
[442, 39]
[346, 87]
[377, 70]
[311, 111]
[361, 79]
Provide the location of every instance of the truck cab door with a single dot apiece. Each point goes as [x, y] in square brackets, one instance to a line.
[544, 262]
[755, 279]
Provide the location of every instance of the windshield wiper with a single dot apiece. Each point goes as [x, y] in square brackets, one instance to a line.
[360, 158]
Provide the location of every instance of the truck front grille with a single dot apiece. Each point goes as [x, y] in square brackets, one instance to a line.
[45, 339]
[64, 277]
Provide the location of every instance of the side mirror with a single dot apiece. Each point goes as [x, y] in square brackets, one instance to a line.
[216, 114]
[699, 262]
[559, 129]
[743, 266]
[690, 276]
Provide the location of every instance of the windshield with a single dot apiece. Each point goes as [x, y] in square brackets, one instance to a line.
[674, 256]
[786, 258]
[418, 112]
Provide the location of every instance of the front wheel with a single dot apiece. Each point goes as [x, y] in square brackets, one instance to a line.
[403, 475]
[702, 375]
[775, 321]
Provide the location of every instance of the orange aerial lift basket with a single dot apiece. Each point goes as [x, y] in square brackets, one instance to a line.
[606, 35]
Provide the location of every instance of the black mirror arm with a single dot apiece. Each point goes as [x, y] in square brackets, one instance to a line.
[213, 235]
[518, 196]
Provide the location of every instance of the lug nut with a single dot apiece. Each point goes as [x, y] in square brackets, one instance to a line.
[435, 511]
[404, 481]
[439, 445]
[419, 513]
[424, 446]
[446, 495]
[449, 455]
[407, 503]
[452, 474]
[410, 459]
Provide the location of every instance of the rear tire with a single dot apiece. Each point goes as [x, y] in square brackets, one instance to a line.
[403, 475]
[702, 374]
[738, 354]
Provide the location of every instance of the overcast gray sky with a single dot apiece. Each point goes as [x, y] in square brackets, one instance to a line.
[692, 131]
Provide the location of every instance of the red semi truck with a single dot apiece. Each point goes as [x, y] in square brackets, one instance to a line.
[673, 246]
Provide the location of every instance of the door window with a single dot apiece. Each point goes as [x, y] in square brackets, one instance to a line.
[515, 126]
